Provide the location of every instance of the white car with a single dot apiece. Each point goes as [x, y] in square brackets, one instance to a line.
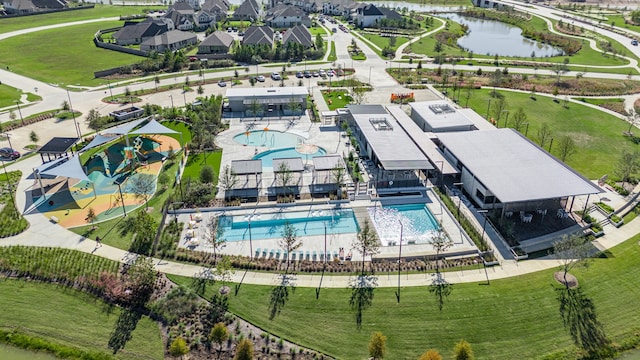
[260, 78]
[276, 76]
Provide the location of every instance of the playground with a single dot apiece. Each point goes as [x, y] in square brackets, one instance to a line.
[104, 179]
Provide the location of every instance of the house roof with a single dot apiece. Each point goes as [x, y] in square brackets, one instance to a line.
[140, 30]
[292, 164]
[170, 37]
[257, 35]
[513, 168]
[23, 5]
[243, 167]
[370, 10]
[391, 145]
[181, 5]
[218, 38]
[390, 13]
[49, 4]
[298, 34]
[216, 5]
[249, 8]
[285, 10]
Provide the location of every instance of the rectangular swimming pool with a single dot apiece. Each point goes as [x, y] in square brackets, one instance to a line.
[270, 225]
[418, 224]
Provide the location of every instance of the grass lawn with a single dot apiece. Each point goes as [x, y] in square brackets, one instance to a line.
[332, 54]
[360, 57]
[197, 162]
[100, 11]
[598, 135]
[317, 30]
[511, 318]
[9, 95]
[469, 64]
[70, 59]
[619, 21]
[382, 41]
[336, 99]
[72, 318]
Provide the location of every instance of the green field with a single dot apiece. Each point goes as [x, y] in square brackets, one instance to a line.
[508, 319]
[72, 318]
[8, 95]
[598, 135]
[70, 60]
[100, 11]
[197, 161]
[317, 30]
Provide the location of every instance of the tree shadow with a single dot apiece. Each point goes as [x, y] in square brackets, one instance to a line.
[280, 294]
[126, 323]
[362, 288]
[440, 287]
[201, 279]
[579, 317]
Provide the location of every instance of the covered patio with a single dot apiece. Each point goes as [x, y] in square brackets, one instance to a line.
[248, 179]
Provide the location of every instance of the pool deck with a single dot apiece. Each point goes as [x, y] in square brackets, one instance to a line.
[328, 138]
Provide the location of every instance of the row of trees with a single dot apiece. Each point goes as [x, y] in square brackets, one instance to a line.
[378, 350]
[256, 54]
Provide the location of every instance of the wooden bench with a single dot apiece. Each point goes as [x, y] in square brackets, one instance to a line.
[54, 219]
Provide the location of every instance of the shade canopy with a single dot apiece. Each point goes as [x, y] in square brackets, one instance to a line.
[97, 141]
[153, 127]
[68, 167]
[126, 128]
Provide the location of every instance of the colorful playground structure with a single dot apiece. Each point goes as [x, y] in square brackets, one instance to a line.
[103, 178]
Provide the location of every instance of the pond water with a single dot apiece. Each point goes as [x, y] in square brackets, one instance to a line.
[14, 353]
[490, 37]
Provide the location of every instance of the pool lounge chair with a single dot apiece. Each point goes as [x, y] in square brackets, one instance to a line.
[258, 252]
[284, 255]
[278, 254]
[264, 252]
[315, 256]
[271, 253]
[301, 255]
[308, 255]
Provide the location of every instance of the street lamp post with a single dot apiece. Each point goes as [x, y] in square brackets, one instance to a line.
[8, 139]
[124, 209]
[506, 121]
[250, 242]
[19, 111]
[73, 114]
[172, 107]
[399, 258]
[4, 165]
[110, 92]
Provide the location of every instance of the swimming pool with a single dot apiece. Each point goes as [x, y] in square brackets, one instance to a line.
[268, 138]
[418, 224]
[270, 226]
[268, 156]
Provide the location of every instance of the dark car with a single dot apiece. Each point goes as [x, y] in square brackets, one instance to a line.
[299, 75]
[9, 153]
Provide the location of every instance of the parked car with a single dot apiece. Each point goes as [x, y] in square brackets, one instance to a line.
[222, 83]
[634, 42]
[307, 74]
[330, 73]
[299, 75]
[9, 153]
[322, 73]
[315, 74]
[260, 78]
[276, 76]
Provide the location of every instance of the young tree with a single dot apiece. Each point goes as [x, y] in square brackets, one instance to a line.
[143, 186]
[201, 89]
[244, 350]
[94, 119]
[339, 173]
[218, 335]
[519, 119]
[178, 347]
[559, 69]
[431, 354]
[65, 106]
[632, 118]
[284, 176]
[156, 79]
[207, 174]
[572, 252]
[366, 243]
[439, 285]
[319, 42]
[628, 164]
[12, 115]
[462, 351]
[33, 137]
[544, 134]
[289, 242]
[141, 280]
[566, 147]
[91, 216]
[214, 236]
[359, 94]
[228, 180]
[498, 108]
[377, 346]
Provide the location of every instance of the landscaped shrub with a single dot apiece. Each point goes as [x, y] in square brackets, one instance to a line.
[11, 221]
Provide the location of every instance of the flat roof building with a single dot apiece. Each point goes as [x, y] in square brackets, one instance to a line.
[271, 101]
[439, 116]
[503, 169]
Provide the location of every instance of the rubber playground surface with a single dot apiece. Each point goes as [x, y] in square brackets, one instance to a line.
[69, 200]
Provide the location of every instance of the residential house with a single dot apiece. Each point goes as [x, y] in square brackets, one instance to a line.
[248, 10]
[258, 35]
[298, 34]
[31, 6]
[171, 40]
[218, 42]
[339, 7]
[311, 6]
[216, 8]
[136, 32]
[194, 4]
[390, 14]
[286, 16]
[491, 4]
[203, 19]
[368, 16]
[182, 15]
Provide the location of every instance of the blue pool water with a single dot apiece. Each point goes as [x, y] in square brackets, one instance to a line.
[268, 156]
[270, 226]
[418, 224]
[268, 138]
